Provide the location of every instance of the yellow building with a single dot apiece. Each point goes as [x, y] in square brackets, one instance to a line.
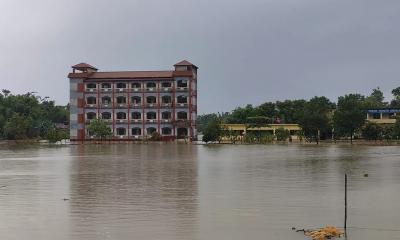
[242, 129]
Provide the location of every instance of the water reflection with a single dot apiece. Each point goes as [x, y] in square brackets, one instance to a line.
[128, 191]
[180, 192]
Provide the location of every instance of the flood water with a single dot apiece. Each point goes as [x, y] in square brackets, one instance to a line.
[184, 192]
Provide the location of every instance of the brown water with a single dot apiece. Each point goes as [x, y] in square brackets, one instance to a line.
[183, 192]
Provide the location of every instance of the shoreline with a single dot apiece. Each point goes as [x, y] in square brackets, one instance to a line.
[93, 142]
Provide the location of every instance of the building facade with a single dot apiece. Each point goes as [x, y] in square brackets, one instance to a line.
[243, 129]
[383, 115]
[134, 104]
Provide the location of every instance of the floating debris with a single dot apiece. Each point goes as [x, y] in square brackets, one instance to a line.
[327, 232]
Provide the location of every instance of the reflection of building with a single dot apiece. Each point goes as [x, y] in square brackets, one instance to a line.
[383, 115]
[135, 104]
[242, 129]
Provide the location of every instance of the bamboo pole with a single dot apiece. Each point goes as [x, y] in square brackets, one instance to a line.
[345, 204]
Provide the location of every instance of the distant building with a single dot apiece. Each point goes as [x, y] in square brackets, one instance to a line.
[243, 129]
[383, 115]
[135, 104]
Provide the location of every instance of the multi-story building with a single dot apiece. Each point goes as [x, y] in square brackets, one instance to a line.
[135, 104]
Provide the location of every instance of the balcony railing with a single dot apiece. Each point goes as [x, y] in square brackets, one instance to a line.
[166, 105]
[178, 89]
[89, 120]
[135, 105]
[178, 105]
[165, 89]
[91, 90]
[121, 121]
[121, 90]
[121, 105]
[136, 89]
[151, 89]
[107, 120]
[88, 105]
[151, 105]
[106, 90]
[136, 120]
[383, 121]
[151, 120]
[166, 120]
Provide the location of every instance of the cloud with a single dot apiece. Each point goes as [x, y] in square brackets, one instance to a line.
[248, 52]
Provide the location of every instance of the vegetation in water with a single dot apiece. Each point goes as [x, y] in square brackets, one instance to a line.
[318, 117]
[28, 116]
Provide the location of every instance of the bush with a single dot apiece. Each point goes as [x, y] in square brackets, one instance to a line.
[155, 136]
[282, 134]
[372, 131]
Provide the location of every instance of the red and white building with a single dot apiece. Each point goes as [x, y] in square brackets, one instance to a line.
[135, 104]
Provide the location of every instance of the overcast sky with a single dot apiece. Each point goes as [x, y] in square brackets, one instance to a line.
[247, 51]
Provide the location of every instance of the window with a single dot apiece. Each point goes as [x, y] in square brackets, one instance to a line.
[151, 130]
[182, 115]
[91, 85]
[166, 99]
[121, 85]
[106, 100]
[106, 85]
[166, 115]
[91, 100]
[376, 116]
[135, 100]
[91, 115]
[151, 100]
[106, 115]
[182, 83]
[151, 85]
[182, 99]
[121, 100]
[182, 132]
[136, 131]
[136, 85]
[151, 115]
[166, 84]
[166, 131]
[121, 115]
[136, 115]
[121, 131]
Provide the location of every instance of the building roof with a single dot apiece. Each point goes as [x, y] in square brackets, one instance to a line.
[185, 63]
[124, 75]
[83, 66]
[383, 110]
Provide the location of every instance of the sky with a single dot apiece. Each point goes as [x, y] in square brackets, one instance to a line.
[248, 52]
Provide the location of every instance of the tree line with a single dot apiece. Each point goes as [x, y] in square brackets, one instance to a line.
[318, 117]
[28, 116]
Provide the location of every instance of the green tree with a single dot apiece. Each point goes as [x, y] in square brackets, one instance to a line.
[349, 116]
[255, 124]
[16, 127]
[396, 98]
[315, 119]
[290, 111]
[372, 131]
[240, 115]
[396, 129]
[375, 100]
[282, 134]
[99, 129]
[55, 135]
[213, 131]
